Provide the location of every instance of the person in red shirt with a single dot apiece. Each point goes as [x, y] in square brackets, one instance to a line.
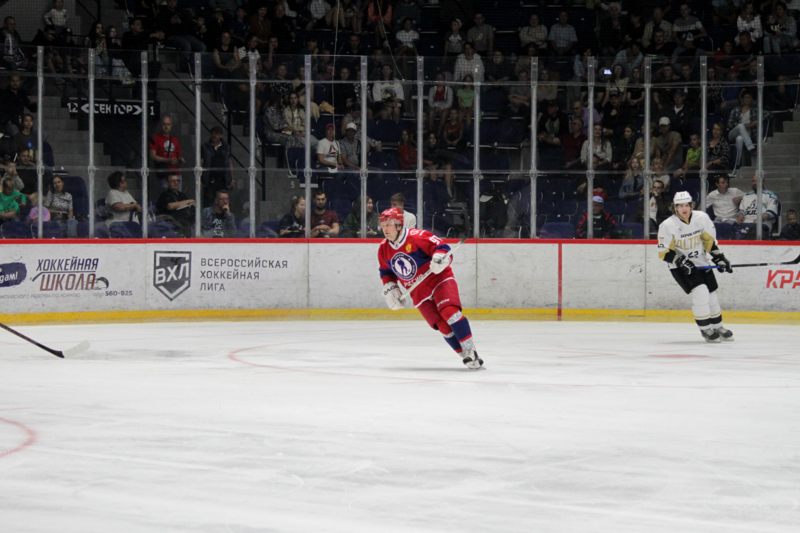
[165, 152]
[406, 255]
[406, 152]
[324, 222]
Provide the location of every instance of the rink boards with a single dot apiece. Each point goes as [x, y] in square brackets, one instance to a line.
[58, 281]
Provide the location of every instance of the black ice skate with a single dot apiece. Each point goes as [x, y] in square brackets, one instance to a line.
[710, 335]
[725, 334]
[472, 360]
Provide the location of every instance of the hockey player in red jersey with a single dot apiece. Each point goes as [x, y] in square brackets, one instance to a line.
[405, 255]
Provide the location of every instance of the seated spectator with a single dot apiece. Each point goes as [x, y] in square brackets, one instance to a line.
[580, 67]
[136, 41]
[26, 139]
[215, 158]
[718, 155]
[276, 127]
[350, 148]
[691, 89]
[635, 29]
[261, 27]
[27, 173]
[407, 40]
[629, 58]
[388, 95]
[581, 112]
[406, 9]
[179, 29]
[177, 207]
[791, 231]
[632, 187]
[13, 57]
[398, 200]
[46, 38]
[354, 117]
[217, 221]
[438, 162]
[656, 23]
[10, 201]
[749, 21]
[216, 24]
[616, 115]
[658, 173]
[353, 52]
[59, 202]
[743, 126]
[679, 115]
[328, 151]
[617, 82]
[466, 100]
[601, 150]
[120, 204]
[469, 64]
[723, 58]
[724, 202]
[324, 222]
[293, 224]
[453, 132]
[226, 57]
[481, 36]
[406, 151]
[10, 168]
[57, 17]
[379, 19]
[669, 146]
[562, 37]
[745, 51]
[14, 100]
[624, 149]
[691, 167]
[748, 212]
[240, 26]
[534, 33]
[498, 71]
[663, 92]
[688, 30]
[353, 16]
[165, 152]
[524, 61]
[547, 90]
[454, 41]
[33, 214]
[295, 115]
[440, 100]
[612, 32]
[345, 94]
[780, 32]
[570, 144]
[660, 50]
[351, 229]
[519, 97]
[604, 225]
[553, 123]
[658, 207]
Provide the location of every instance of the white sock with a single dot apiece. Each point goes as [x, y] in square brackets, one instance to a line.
[700, 307]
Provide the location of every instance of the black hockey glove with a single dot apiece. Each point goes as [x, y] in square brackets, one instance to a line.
[720, 260]
[685, 264]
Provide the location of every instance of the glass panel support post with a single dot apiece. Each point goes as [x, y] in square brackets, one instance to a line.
[198, 124]
[760, 149]
[534, 147]
[307, 173]
[648, 175]
[590, 152]
[703, 132]
[420, 139]
[251, 169]
[39, 139]
[91, 168]
[363, 171]
[144, 171]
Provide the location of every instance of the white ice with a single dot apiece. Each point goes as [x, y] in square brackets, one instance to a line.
[378, 427]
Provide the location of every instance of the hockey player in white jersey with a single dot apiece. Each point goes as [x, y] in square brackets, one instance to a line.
[684, 241]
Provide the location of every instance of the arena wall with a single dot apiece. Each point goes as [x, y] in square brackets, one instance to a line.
[101, 281]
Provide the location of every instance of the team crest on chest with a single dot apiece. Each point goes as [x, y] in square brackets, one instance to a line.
[403, 266]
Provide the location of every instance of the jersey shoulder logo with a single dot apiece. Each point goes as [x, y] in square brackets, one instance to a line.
[404, 266]
[408, 248]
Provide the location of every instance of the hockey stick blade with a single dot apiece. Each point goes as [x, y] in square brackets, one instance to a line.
[75, 350]
[793, 262]
[407, 293]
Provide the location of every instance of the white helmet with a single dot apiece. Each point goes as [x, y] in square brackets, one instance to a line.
[682, 197]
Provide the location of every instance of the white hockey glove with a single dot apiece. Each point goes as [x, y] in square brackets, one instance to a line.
[439, 262]
[392, 294]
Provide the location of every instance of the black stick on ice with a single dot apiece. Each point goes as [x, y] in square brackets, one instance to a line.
[407, 293]
[793, 262]
[82, 347]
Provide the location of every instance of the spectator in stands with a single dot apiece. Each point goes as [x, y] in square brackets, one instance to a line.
[481, 36]
[379, 19]
[578, 110]
[660, 49]
[453, 132]
[295, 115]
[165, 152]
[217, 166]
[624, 149]
[53, 61]
[718, 151]
[617, 82]
[324, 222]
[524, 61]
[227, 7]
[724, 202]
[748, 212]
[658, 173]
[120, 204]
[215, 26]
[534, 33]
[466, 100]
[226, 57]
[406, 9]
[10, 168]
[750, 21]
[27, 173]
[497, 71]
[454, 41]
[57, 17]
[217, 221]
[604, 226]
[780, 31]
[398, 200]
[469, 64]
[10, 201]
[438, 162]
[723, 58]
[612, 32]
[240, 26]
[328, 151]
[580, 67]
[743, 126]
[345, 94]
[791, 231]
[547, 89]
[663, 93]
[13, 57]
[601, 150]
[178, 27]
[136, 41]
[669, 146]
[261, 27]
[688, 30]
[107, 63]
[746, 51]
[635, 29]
[26, 140]
[59, 202]
[632, 187]
[407, 42]
[455, 9]
[440, 100]
[350, 148]
[406, 151]
[352, 224]
[284, 28]
[293, 224]
[353, 16]
[658, 206]
[691, 167]
[552, 124]
[562, 37]
[724, 12]
[388, 95]
[14, 100]
[679, 115]
[629, 57]
[616, 115]
[179, 208]
[657, 23]
[571, 144]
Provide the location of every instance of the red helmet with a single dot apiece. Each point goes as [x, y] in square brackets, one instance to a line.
[392, 214]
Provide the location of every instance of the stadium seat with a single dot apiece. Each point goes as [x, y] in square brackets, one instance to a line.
[496, 167]
[243, 229]
[125, 230]
[565, 210]
[100, 230]
[636, 228]
[16, 230]
[50, 230]
[269, 229]
[160, 230]
[80, 196]
[558, 230]
[725, 231]
[615, 207]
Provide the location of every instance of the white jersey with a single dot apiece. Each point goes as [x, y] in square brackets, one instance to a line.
[749, 207]
[693, 239]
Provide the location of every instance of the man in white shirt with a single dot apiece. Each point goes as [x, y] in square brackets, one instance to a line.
[328, 151]
[469, 63]
[748, 212]
[399, 201]
[725, 201]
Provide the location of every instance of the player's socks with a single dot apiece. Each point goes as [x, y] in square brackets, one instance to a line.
[460, 326]
[450, 338]
[701, 308]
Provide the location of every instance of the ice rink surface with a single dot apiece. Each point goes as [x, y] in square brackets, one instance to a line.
[378, 427]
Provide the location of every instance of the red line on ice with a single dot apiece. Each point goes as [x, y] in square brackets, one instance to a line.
[28, 431]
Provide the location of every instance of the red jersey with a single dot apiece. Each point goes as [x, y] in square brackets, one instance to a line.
[167, 147]
[409, 258]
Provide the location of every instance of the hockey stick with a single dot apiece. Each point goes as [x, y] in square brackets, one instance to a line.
[794, 262]
[416, 284]
[82, 347]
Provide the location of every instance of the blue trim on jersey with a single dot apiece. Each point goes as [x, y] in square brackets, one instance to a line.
[386, 272]
[442, 246]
